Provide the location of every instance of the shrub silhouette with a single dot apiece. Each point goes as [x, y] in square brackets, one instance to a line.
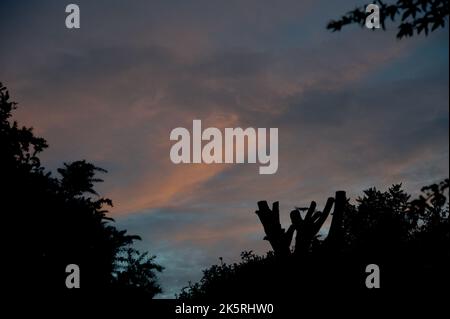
[407, 239]
[51, 222]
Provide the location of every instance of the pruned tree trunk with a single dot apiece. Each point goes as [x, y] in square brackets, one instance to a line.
[279, 239]
[306, 228]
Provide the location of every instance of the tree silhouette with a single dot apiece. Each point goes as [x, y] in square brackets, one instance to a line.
[52, 222]
[136, 272]
[415, 16]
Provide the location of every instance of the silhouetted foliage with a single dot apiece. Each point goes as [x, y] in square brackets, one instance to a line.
[408, 239]
[51, 222]
[415, 16]
[136, 272]
[247, 275]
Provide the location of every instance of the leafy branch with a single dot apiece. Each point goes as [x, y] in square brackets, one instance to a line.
[416, 16]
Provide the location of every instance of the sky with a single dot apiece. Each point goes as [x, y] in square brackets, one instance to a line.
[354, 109]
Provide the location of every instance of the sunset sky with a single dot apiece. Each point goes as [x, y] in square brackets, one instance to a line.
[354, 109]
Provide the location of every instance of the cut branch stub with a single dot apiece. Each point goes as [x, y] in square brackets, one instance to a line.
[335, 234]
[308, 228]
[275, 234]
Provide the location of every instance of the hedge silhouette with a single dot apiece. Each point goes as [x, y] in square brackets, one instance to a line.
[408, 239]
